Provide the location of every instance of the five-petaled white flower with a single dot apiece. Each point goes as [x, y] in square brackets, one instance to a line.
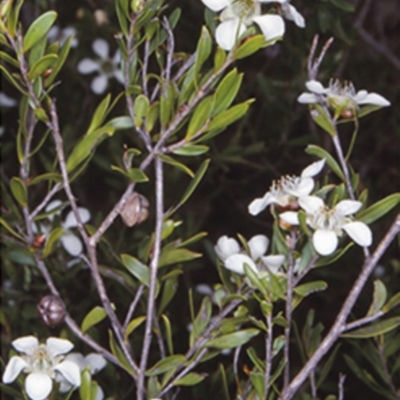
[341, 97]
[42, 363]
[95, 362]
[329, 224]
[288, 189]
[237, 15]
[229, 252]
[106, 67]
[71, 243]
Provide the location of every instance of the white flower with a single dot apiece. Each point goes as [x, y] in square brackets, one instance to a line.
[95, 362]
[341, 97]
[329, 224]
[6, 101]
[56, 34]
[228, 250]
[42, 363]
[106, 67]
[237, 15]
[71, 243]
[287, 189]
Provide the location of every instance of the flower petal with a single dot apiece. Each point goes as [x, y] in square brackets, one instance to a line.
[99, 393]
[292, 14]
[38, 385]
[258, 246]
[70, 371]
[315, 87]
[325, 242]
[216, 5]
[226, 247]
[236, 263]
[26, 344]
[78, 359]
[375, 99]
[99, 84]
[101, 48]
[205, 289]
[119, 76]
[71, 244]
[13, 368]
[259, 204]
[6, 101]
[274, 262]
[347, 207]
[227, 32]
[307, 98]
[303, 188]
[311, 204]
[359, 232]
[56, 346]
[290, 217]
[313, 169]
[87, 66]
[96, 362]
[272, 26]
[70, 221]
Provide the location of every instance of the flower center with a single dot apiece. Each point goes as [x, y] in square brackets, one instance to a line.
[107, 67]
[341, 97]
[40, 360]
[245, 9]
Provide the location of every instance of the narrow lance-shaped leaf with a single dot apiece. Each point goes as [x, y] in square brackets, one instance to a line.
[191, 379]
[19, 191]
[374, 330]
[200, 116]
[227, 91]
[95, 315]
[51, 241]
[166, 364]
[250, 46]
[85, 387]
[119, 354]
[136, 268]
[379, 298]
[100, 114]
[233, 340]
[46, 62]
[38, 29]
[203, 49]
[171, 161]
[379, 209]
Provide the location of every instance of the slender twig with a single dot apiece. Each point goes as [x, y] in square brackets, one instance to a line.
[340, 322]
[160, 339]
[236, 355]
[268, 354]
[145, 66]
[132, 307]
[159, 191]
[306, 270]
[170, 48]
[342, 378]
[362, 321]
[46, 199]
[386, 372]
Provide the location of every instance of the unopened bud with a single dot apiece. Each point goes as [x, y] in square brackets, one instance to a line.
[136, 210]
[51, 310]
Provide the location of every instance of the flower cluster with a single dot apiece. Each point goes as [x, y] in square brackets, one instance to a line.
[237, 15]
[342, 98]
[45, 363]
[234, 259]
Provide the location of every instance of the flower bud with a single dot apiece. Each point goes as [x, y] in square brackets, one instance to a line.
[136, 210]
[51, 310]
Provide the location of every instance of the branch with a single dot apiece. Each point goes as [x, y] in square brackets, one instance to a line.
[340, 322]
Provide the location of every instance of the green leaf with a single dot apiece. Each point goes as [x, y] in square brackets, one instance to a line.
[95, 315]
[333, 257]
[310, 287]
[62, 56]
[169, 160]
[135, 323]
[99, 115]
[176, 255]
[374, 330]
[85, 386]
[195, 181]
[203, 317]
[136, 268]
[379, 209]
[86, 145]
[200, 117]
[18, 189]
[49, 176]
[7, 58]
[250, 46]
[152, 116]
[166, 364]
[219, 58]
[227, 91]
[52, 239]
[191, 150]
[38, 29]
[323, 154]
[119, 354]
[394, 301]
[140, 109]
[203, 49]
[11, 230]
[379, 298]
[42, 65]
[258, 363]
[133, 174]
[190, 379]
[122, 122]
[320, 118]
[11, 79]
[255, 280]
[167, 100]
[229, 116]
[233, 340]
[168, 333]
[169, 291]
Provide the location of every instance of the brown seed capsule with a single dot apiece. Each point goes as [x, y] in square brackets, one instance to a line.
[52, 310]
[136, 210]
[39, 241]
